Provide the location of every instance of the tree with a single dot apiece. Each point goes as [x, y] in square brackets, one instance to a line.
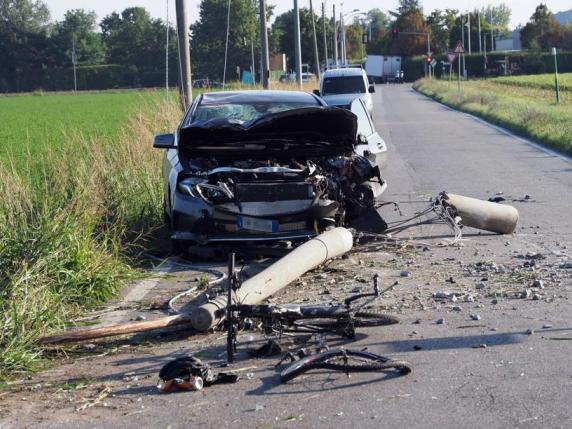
[379, 23]
[411, 20]
[135, 39]
[442, 23]
[209, 37]
[407, 7]
[24, 44]
[79, 25]
[283, 35]
[542, 29]
[27, 16]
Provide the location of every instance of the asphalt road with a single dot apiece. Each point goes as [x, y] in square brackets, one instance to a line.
[517, 381]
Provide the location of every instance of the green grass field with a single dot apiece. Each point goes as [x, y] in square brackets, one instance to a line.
[524, 104]
[32, 125]
[80, 198]
[544, 81]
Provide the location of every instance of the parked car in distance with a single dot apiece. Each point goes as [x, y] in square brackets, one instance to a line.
[267, 166]
[340, 87]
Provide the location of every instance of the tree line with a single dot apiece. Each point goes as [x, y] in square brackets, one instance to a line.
[31, 45]
[128, 48]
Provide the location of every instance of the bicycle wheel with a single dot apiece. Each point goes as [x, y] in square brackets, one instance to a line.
[344, 360]
[363, 319]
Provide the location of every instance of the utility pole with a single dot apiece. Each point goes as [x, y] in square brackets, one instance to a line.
[297, 45]
[492, 32]
[226, 46]
[469, 31]
[335, 39]
[185, 86]
[316, 56]
[167, 54]
[74, 62]
[343, 36]
[252, 69]
[479, 18]
[264, 72]
[325, 38]
[463, 39]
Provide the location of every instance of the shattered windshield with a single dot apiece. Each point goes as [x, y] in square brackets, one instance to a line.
[243, 112]
[343, 85]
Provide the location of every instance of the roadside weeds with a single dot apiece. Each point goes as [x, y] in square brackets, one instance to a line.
[69, 236]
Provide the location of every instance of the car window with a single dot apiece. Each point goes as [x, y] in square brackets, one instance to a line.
[243, 112]
[364, 124]
[343, 85]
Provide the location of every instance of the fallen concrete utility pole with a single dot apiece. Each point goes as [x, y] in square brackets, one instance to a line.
[113, 330]
[304, 258]
[484, 215]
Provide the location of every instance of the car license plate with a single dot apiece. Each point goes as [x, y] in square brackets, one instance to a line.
[255, 224]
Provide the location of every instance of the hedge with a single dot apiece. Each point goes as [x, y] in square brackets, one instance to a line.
[96, 77]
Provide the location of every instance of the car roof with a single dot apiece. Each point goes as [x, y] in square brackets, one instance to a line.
[349, 71]
[259, 96]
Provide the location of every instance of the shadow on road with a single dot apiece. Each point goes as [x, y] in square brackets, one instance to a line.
[455, 342]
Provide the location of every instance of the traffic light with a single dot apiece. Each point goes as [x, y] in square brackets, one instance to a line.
[429, 59]
[395, 33]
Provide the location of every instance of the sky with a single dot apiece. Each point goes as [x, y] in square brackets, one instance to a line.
[521, 9]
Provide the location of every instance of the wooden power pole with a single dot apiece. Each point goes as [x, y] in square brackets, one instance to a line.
[185, 86]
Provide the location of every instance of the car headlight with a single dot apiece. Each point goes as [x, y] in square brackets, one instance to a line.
[200, 188]
[186, 185]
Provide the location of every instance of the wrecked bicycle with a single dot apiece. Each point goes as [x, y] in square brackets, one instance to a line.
[341, 319]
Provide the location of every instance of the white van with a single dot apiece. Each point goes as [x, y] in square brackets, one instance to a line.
[339, 87]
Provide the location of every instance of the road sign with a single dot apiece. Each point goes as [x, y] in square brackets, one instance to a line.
[459, 48]
[433, 63]
[451, 56]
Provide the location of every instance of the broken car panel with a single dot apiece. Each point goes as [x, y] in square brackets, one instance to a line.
[268, 165]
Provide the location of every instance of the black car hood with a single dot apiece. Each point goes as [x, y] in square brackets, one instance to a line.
[330, 126]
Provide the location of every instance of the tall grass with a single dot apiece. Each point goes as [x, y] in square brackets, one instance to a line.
[69, 231]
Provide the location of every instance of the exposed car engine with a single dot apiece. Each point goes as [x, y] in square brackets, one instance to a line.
[331, 190]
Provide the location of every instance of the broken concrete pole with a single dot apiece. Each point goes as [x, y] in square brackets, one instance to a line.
[304, 258]
[484, 215]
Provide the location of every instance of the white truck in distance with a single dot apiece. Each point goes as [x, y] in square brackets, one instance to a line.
[383, 68]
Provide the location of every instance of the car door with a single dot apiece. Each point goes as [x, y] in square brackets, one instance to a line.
[371, 144]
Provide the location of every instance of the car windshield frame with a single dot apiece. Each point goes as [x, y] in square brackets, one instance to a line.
[337, 85]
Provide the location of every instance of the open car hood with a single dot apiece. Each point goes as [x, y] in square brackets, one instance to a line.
[330, 126]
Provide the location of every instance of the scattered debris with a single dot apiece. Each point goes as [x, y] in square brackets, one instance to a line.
[190, 373]
[538, 284]
[405, 273]
[475, 317]
[480, 285]
[529, 331]
[441, 321]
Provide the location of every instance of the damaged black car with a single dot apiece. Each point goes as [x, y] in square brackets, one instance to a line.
[268, 166]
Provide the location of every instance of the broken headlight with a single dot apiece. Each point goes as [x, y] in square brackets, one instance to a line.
[200, 188]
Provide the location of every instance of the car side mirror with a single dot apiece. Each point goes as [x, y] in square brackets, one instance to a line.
[371, 89]
[164, 141]
[316, 92]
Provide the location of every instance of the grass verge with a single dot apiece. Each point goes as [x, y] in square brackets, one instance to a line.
[70, 227]
[530, 112]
